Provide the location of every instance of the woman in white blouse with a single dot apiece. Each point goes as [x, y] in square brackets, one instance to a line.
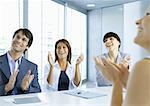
[62, 75]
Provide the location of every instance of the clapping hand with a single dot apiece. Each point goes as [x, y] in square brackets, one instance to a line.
[79, 59]
[108, 69]
[126, 61]
[50, 59]
[10, 85]
[124, 73]
[27, 80]
[112, 71]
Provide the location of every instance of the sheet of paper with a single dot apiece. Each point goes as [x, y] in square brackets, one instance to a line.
[85, 94]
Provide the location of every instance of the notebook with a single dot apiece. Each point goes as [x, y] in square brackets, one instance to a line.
[85, 94]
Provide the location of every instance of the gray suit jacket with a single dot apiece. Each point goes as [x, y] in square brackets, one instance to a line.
[24, 66]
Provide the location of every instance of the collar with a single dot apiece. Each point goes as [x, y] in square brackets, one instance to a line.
[107, 54]
[118, 58]
[57, 64]
[10, 59]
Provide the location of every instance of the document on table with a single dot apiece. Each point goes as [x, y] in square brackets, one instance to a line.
[85, 94]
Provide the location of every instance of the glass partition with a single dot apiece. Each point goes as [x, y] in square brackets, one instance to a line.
[112, 21]
[10, 17]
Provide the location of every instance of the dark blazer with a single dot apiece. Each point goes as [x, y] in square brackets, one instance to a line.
[24, 66]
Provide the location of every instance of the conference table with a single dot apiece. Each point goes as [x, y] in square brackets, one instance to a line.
[60, 98]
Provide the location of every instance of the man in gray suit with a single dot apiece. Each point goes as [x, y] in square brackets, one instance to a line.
[17, 74]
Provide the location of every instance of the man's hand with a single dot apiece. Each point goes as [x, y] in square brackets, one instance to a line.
[27, 80]
[10, 85]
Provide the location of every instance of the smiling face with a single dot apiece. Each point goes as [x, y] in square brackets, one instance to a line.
[19, 42]
[62, 51]
[111, 43]
[143, 36]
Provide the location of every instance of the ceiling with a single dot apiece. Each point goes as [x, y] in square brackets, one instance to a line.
[98, 3]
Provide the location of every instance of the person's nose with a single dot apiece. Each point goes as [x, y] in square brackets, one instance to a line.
[19, 40]
[108, 41]
[61, 49]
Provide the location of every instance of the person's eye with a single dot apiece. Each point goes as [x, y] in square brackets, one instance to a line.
[24, 39]
[58, 47]
[111, 38]
[105, 40]
[18, 37]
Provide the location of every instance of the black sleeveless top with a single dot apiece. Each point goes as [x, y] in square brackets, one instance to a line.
[63, 83]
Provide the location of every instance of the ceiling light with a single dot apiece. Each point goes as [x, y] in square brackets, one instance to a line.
[90, 5]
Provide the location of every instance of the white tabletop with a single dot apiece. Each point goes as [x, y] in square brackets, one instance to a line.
[62, 99]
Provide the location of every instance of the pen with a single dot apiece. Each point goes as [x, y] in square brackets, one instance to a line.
[78, 92]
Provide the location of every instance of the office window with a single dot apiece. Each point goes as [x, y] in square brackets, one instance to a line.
[10, 17]
[77, 35]
[52, 28]
[47, 26]
[115, 13]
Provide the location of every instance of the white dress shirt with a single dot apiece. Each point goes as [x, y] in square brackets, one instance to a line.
[70, 71]
[13, 64]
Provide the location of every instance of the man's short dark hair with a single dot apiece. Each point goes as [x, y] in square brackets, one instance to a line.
[27, 33]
